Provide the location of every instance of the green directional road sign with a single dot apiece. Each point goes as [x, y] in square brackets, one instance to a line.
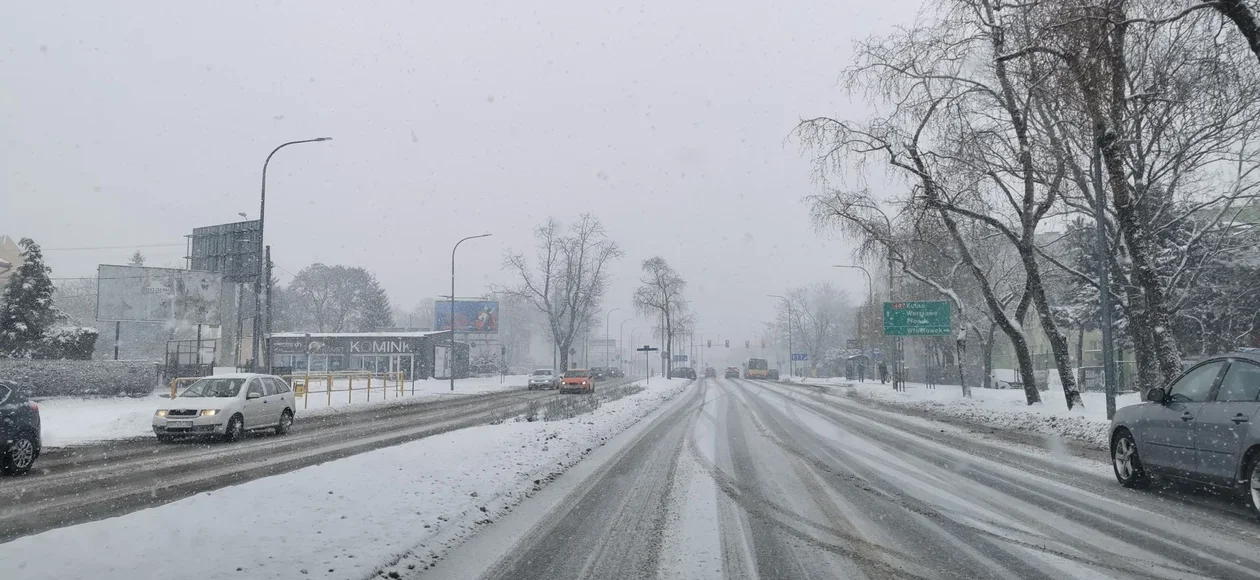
[927, 318]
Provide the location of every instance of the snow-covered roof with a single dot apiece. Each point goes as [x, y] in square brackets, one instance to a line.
[412, 334]
[238, 376]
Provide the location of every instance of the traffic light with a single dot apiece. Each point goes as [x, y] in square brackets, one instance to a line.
[728, 344]
[710, 343]
[746, 344]
[763, 344]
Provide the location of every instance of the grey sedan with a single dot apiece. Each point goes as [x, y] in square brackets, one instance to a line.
[1204, 427]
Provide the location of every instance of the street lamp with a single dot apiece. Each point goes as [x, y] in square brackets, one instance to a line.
[621, 331]
[791, 361]
[262, 259]
[633, 343]
[870, 299]
[450, 353]
[607, 355]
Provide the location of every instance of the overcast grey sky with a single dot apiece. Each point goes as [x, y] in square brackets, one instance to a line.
[130, 123]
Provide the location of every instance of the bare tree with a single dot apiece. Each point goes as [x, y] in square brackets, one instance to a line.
[334, 299]
[661, 294]
[567, 280]
[961, 134]
[819, 316]
[1169, 108]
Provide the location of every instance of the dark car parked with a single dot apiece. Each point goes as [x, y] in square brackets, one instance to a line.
[1204, 427]
[19, 430]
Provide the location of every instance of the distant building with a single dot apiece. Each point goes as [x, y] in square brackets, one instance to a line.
[416, 354]
[10, 258]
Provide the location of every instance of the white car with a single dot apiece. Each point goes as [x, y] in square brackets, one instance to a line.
[227, 406]
[544, 379]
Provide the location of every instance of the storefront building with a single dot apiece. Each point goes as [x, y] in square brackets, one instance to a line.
[418, 355]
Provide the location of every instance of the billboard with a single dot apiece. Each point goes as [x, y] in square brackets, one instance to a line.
[136, 293]
[228, 249]
[480, 316]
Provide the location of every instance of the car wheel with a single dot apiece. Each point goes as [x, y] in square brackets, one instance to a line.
[235, 428]
[1251, 474]
[286, 422]
[1126, 463]
[20, 457]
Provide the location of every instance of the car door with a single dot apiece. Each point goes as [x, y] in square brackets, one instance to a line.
[280, 398]
[1222, 425]
[1167, 431]
[255, 409]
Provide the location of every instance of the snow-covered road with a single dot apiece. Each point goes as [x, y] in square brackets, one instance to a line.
[747, 479]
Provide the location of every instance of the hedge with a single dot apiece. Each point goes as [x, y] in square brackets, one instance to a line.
[81, 378]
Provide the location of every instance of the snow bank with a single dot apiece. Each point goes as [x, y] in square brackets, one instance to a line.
[402, 506]
[76, 421]
[1006, 409]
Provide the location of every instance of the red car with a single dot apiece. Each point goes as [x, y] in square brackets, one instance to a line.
[577, 381]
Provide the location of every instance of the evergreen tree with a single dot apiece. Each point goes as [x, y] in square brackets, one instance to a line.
[27, 311]
[375, 312]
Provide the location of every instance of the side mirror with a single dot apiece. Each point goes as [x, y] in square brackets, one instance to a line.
[1156, 395]
[253, 396]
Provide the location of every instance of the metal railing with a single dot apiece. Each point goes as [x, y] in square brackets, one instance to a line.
[307, 384]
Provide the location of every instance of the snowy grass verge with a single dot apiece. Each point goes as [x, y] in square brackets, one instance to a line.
[68, 421]
[1004, 409]
[399, 508]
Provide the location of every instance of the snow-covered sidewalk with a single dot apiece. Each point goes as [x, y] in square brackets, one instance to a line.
[77, 421]
[1001, 408]
[343, 519]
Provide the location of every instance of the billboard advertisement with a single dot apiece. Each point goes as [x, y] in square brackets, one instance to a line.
[228, 249]
[136, 293]
[478, 316]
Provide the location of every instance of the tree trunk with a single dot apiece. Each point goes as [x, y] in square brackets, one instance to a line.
[1080, 353]
[960, 352]
[1244, 19]
[1025, 360]
[1058, 343]
[564, 358]
[987, 353]
[1148, 375]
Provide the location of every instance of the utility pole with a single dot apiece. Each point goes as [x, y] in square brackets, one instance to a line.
[1104, 280]
[267, 334]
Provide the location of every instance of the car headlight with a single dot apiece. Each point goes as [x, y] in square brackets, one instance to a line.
[209, 412]
[160, 413]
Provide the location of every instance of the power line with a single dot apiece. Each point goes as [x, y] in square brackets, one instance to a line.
[114, 247]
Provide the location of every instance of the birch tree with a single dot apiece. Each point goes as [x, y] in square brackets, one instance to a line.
[956, 122]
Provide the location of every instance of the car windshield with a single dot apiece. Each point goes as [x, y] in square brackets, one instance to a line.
[542, 373]
[576, 374]
[214, 388]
